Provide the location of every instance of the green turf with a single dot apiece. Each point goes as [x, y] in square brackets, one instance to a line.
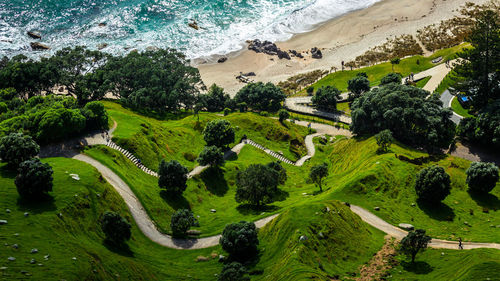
[376, 72]
[437, 264]
[363, 177]
[76, 233]
[344, 107]
[457, 107]
[338, 242]
[151, 139]
[421, 83]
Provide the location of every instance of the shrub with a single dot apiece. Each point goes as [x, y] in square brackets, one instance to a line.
[116, 228]
[34, 179]
[234, 271]
[218, 132]
[181, 221]
[227, 111]
[310, 90]
[384, 140]
[482, 177]
[391, 78]
[189, 156]
[172, 177]
[283, 115]
[16, 148]
[211, 155]
[432, 185]
[240, 240]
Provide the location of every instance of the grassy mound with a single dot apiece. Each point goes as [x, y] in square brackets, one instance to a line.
[338, 242]
[76, 233]
[362, 176]
[152, 140]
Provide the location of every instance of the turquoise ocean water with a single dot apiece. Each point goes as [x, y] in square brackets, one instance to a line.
[138, 24]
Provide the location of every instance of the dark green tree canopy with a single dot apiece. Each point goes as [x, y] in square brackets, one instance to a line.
[218, 132]
[96, 115]
[159, 80]
[283, 114]
[172, 176]
[240, 240]
[260, 96]
[433, 184]
[234, 271]
[317, 173]
[16, 148]
[34, 179]
[384, 139]
[391, 78]
[282, 176]
[326, 98]
[211, 155]
[116, 228]
[215, 100]
[483, 129]
[416, 241]
[256, 185]
[405, 111]
[181, 221]
[482, 177]
[358, 85]
[480, 64]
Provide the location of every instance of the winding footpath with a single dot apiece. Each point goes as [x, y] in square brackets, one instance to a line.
[147, 226]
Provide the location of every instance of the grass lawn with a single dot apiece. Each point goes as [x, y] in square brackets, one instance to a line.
[376, 72]
[423, 82]
[437, 264]
[76, 233]
[344, 106]
[361, 176]
[152, 140]
[457, 107]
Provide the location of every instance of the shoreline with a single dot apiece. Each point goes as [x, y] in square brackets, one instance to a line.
[340, 39]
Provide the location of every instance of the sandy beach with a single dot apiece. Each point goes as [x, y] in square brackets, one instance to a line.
[341, 39]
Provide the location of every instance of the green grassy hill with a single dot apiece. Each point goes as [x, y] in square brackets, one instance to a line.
[76, 233]
[338, 242]
[152, 140]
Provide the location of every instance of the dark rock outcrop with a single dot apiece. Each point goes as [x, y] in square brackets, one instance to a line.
[283, 55]
[316, 53]
[296, 54]
[34, 35]
[267, 48]
[37, 46]
[222, 60]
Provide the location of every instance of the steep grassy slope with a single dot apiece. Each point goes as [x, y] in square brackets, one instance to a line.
[153, 140]
[338, 242]
[363, 177]
[76, 233]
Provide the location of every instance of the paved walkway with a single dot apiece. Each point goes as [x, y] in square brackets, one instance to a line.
[300, 105]
[437, 74]
[447, 98]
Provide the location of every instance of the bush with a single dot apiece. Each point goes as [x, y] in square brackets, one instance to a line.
[234, 271]
[432, 185]
[181, 221]
[172, 176]
[482, 177]
[384, 140]
[219, 133]
[283, 114]
[260, 96]
[16, 148]
[227, 111]
[189, 156]
[240, 240]
[391, 78]
[116, 228]
[211, 155]
[326, 98]
[34, 179]
[256, 185]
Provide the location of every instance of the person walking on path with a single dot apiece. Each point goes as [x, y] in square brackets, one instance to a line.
[460, 246]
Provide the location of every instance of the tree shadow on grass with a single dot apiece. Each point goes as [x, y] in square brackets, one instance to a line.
[438, 211]
[249, 209]
[487, 200]
[122, 249]
[418, 267]
[39, 205]
[214, 181]
[230, 155]
[280, 195]
[175, 201]
[6, 172]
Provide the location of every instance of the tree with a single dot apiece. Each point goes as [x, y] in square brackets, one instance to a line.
[160, 80]
[115, 228]
[256, 184]
[482, 177]
[310, 90]
[283, 115]
[211, 155]
[416, 241]
[326, 98]
[358, 85]
[432, 184]
[172, 176]
[412, 118]
[218, 132]
[16, 148]
[317, 173]
[58, 122]
[34, 179]
[384, 139]
[260, 96]
[95, 115]
[391, 78]
[215, 99]
[280, 170]
[479, 64]
[240, 240]
[395, 61]
[483, 129]
[181, 221]
[234, 271]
